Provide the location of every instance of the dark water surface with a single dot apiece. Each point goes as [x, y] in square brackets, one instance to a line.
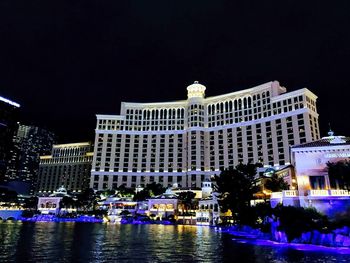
[86, 242]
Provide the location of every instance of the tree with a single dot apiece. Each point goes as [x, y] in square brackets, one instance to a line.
[87, 199]
[155, 189]
[123, 191]
[31, 202]
[67, 202]
[275, 183]
[150, 190]
[142, 195]
[236, 187]
[339, 174]
[186, 199]
[8, 196]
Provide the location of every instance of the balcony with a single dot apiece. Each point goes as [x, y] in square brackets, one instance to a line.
[290, 193]
[339, 192]
[276, 195]
[161, 210]
[330, 192]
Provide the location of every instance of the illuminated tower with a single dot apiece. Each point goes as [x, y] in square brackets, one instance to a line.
[8, 125]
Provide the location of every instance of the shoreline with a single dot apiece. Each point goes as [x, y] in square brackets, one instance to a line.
[256, 237]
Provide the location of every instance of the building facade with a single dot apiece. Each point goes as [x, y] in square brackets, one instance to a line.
[9, 112]
[29, 143]
[186, 142]
[68, 166]
[315, 188]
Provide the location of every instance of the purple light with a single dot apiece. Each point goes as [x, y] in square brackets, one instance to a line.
[301, 247]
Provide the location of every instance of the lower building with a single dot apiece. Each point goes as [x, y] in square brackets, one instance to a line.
[68, 166]
[316, 186]
[208, 212]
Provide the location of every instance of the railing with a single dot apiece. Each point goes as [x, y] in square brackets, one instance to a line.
[339, 192]
[161, 210]
[276, 195]
[290, 193]
[318, 193]
[330, 192]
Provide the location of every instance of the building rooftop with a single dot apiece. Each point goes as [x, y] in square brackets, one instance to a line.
[325, 141]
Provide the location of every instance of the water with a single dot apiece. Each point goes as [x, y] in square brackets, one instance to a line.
[87, 242]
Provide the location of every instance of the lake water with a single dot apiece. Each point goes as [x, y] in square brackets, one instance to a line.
[87, 242]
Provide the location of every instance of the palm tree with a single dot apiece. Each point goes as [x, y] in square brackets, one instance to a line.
[275, 183]
[186, 199]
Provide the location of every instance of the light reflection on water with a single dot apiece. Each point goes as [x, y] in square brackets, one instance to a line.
[85, 242]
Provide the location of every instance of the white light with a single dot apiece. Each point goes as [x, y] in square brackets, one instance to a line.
[10, 102]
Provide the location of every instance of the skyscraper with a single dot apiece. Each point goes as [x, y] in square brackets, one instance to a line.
[187, 141]
[8, 124]
[28, 144]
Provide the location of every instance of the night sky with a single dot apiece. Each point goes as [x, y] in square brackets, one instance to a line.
[65, 61]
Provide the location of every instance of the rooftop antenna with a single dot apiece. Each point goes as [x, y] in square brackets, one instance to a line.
[330, 133]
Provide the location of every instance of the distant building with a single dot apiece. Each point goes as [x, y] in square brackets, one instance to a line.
[315, 188]
[188, 141]
[8, 125]
[68, 166]
[29, 143]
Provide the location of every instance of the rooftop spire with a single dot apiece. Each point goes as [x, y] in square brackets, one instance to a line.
[330, 132]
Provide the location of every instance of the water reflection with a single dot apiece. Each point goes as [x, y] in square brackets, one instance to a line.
[84, 242]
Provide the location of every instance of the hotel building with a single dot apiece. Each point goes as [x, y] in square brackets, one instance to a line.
[186, 142]
[68, 166]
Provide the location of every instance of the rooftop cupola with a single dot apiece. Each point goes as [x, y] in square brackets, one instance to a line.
[196, 90]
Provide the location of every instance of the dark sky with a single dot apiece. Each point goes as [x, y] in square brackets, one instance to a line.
[65, 61]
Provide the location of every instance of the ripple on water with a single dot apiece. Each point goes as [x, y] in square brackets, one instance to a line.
[86, 242]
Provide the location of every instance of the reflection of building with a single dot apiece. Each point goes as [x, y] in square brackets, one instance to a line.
[314, 186]
[69, 165]
[29, 143]
[187, 141]
[8, 126]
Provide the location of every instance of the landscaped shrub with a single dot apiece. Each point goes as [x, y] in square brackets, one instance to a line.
[297, 220]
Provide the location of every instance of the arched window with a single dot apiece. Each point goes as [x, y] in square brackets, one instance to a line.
[249, 102]
[244, 103]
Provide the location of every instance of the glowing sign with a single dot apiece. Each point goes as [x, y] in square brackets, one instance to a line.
[337, 155]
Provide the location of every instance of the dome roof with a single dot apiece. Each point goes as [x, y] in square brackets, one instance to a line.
[195, 90]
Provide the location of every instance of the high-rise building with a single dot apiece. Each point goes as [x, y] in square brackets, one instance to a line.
[8, 125]
[68, 166]
[187, 141]
[28, 144]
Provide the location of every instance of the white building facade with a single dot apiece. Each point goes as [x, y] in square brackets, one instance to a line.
[315, 188]
[186, 142]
